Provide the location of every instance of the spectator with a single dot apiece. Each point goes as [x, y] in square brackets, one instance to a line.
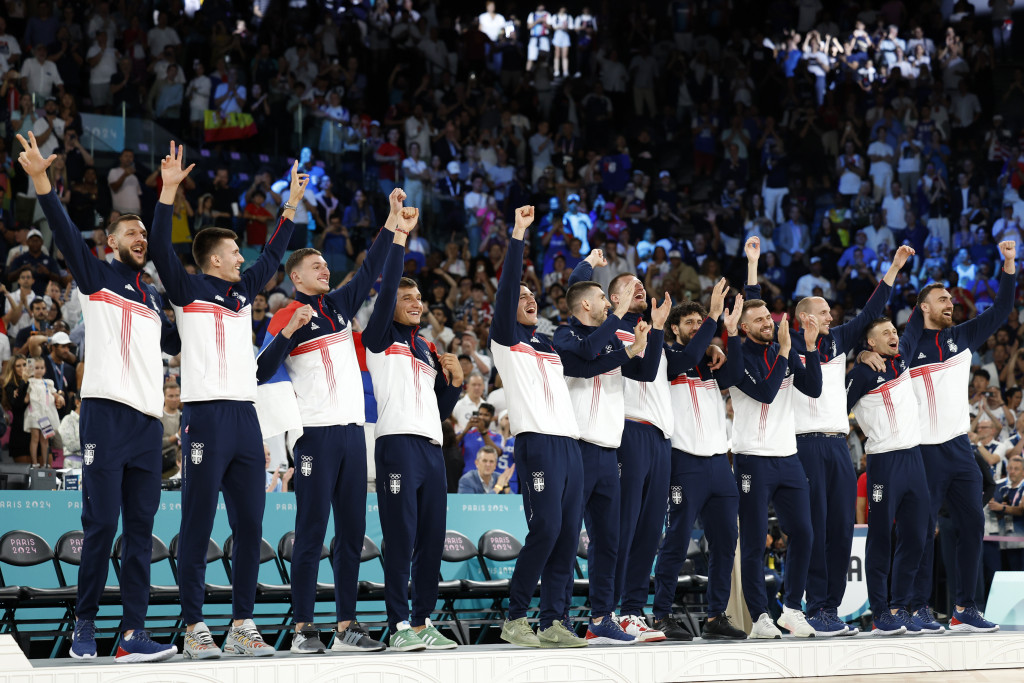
[39, 75]
[41, 420]
[482, 479]
[103, 62]
[70, 439]
[44, 268]
[278, 479]
[171, 420]
[14, 382]
[125, 188]
[470, 403]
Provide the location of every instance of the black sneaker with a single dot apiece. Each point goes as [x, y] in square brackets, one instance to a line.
[672, 630]
[307, 642]
[722, 629]
[356, 639]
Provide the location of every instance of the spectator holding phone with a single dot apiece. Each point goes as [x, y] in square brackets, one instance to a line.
[277, 480]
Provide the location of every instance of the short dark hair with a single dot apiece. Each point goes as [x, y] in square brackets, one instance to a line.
[206, 240]
[683, 310]
[407, 282]
[295, 260]
[488, 406]
[982, 372]
[37, 300]
[750, 304]
[875, 323]
[578, 292]
[614, 284]
[123, 218]
[928, 289]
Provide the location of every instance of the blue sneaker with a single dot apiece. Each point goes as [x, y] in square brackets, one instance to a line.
[833, 614]
[970, 620]
[913, 628]
[83, 640]
[926, 620]
[568, 624]
[608, 632]
[886, 624]
[823, 625]
[139, 648]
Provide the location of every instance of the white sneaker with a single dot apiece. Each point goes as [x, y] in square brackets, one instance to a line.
[635, 626]
[765, 628]
[795, 621]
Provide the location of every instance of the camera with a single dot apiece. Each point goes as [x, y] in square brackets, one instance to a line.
[283, 468]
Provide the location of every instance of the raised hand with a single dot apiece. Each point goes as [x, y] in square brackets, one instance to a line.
[732, 316]
[1007, 248]
[170, 167]
[395, 200]
[34, 163]
[752, 248]
[407, 219]
[718, 299]
[809, 322]
[300, 317]
[785, 343]
[659, 314]
[902, 255]
[297, 188]
[716, 357]
[524, 218]
[596, 258]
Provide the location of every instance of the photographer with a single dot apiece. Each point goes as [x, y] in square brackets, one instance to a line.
[478, 435]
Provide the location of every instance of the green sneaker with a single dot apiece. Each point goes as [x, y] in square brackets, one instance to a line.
[433, 639]
[404, 639]
[557, 635]
[519, 633]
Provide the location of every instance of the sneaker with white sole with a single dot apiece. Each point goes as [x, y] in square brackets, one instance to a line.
[83, 640]
[970, 620]
[607, 632]
[887, 624]
[138, 648]
[795, 622]
[404, 639]
[307, 642]
[557, 635]
[924, 618]
[913, 626]
[765, 628]
[199, 644]
[356, 639]
[518, 632]
[245, 640]
[636, 626]
[824, 626]
[433, 639]
[833, 614]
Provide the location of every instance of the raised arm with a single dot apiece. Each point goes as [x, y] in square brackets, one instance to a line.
[911, 335]
[87, 269]
[576, 359]
[752, 249]
[506, 299]
[584, 270]
[349, 297]
[256, 277]
[170, 340]
[375, 336]
[807, 375]
[172, 273]
[980, 328]
[848, 334]
[757, 384]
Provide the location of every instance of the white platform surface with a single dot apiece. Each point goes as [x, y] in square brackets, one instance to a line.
[648, 663]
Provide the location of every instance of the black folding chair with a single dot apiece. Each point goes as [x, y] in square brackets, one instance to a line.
[215, 593]
[497, 545]
[581, 582]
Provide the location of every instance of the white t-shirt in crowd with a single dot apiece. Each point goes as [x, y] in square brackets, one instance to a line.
[492, 27]
[895, 209]
[105, 68]
[126, 198]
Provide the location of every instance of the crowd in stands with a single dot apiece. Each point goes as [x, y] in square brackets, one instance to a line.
[835, 132]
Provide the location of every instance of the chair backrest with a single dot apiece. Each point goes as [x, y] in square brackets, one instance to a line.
[69, 547]
[499, 545]
[213, 551]
[370, 550]
[584, 545]
[159, 553]
[286, 548]
[24, 549]
[457, 547]
[267, 553]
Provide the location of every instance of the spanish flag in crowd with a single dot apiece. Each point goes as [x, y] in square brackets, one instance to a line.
[234, 126]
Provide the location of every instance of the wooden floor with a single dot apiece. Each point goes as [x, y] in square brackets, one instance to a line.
[989, 676]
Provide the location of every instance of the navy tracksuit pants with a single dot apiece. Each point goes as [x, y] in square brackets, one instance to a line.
[550, 473]
[954, 479]
[782, 481]
[222, 452]
[645, 462]
[412, 500]
[895, 491]
[601, 515]
[330, 473]
[121, 477]
[833, 495]
[702, 486]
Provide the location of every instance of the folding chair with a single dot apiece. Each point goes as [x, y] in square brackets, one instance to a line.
[581, 582]
[215, 593]
[159, 594]
[496, 545]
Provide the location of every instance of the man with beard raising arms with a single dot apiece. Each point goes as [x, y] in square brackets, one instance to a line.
[702, 481]
[764, 443]
[822, 425]
[940, 370]
[121, 410]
